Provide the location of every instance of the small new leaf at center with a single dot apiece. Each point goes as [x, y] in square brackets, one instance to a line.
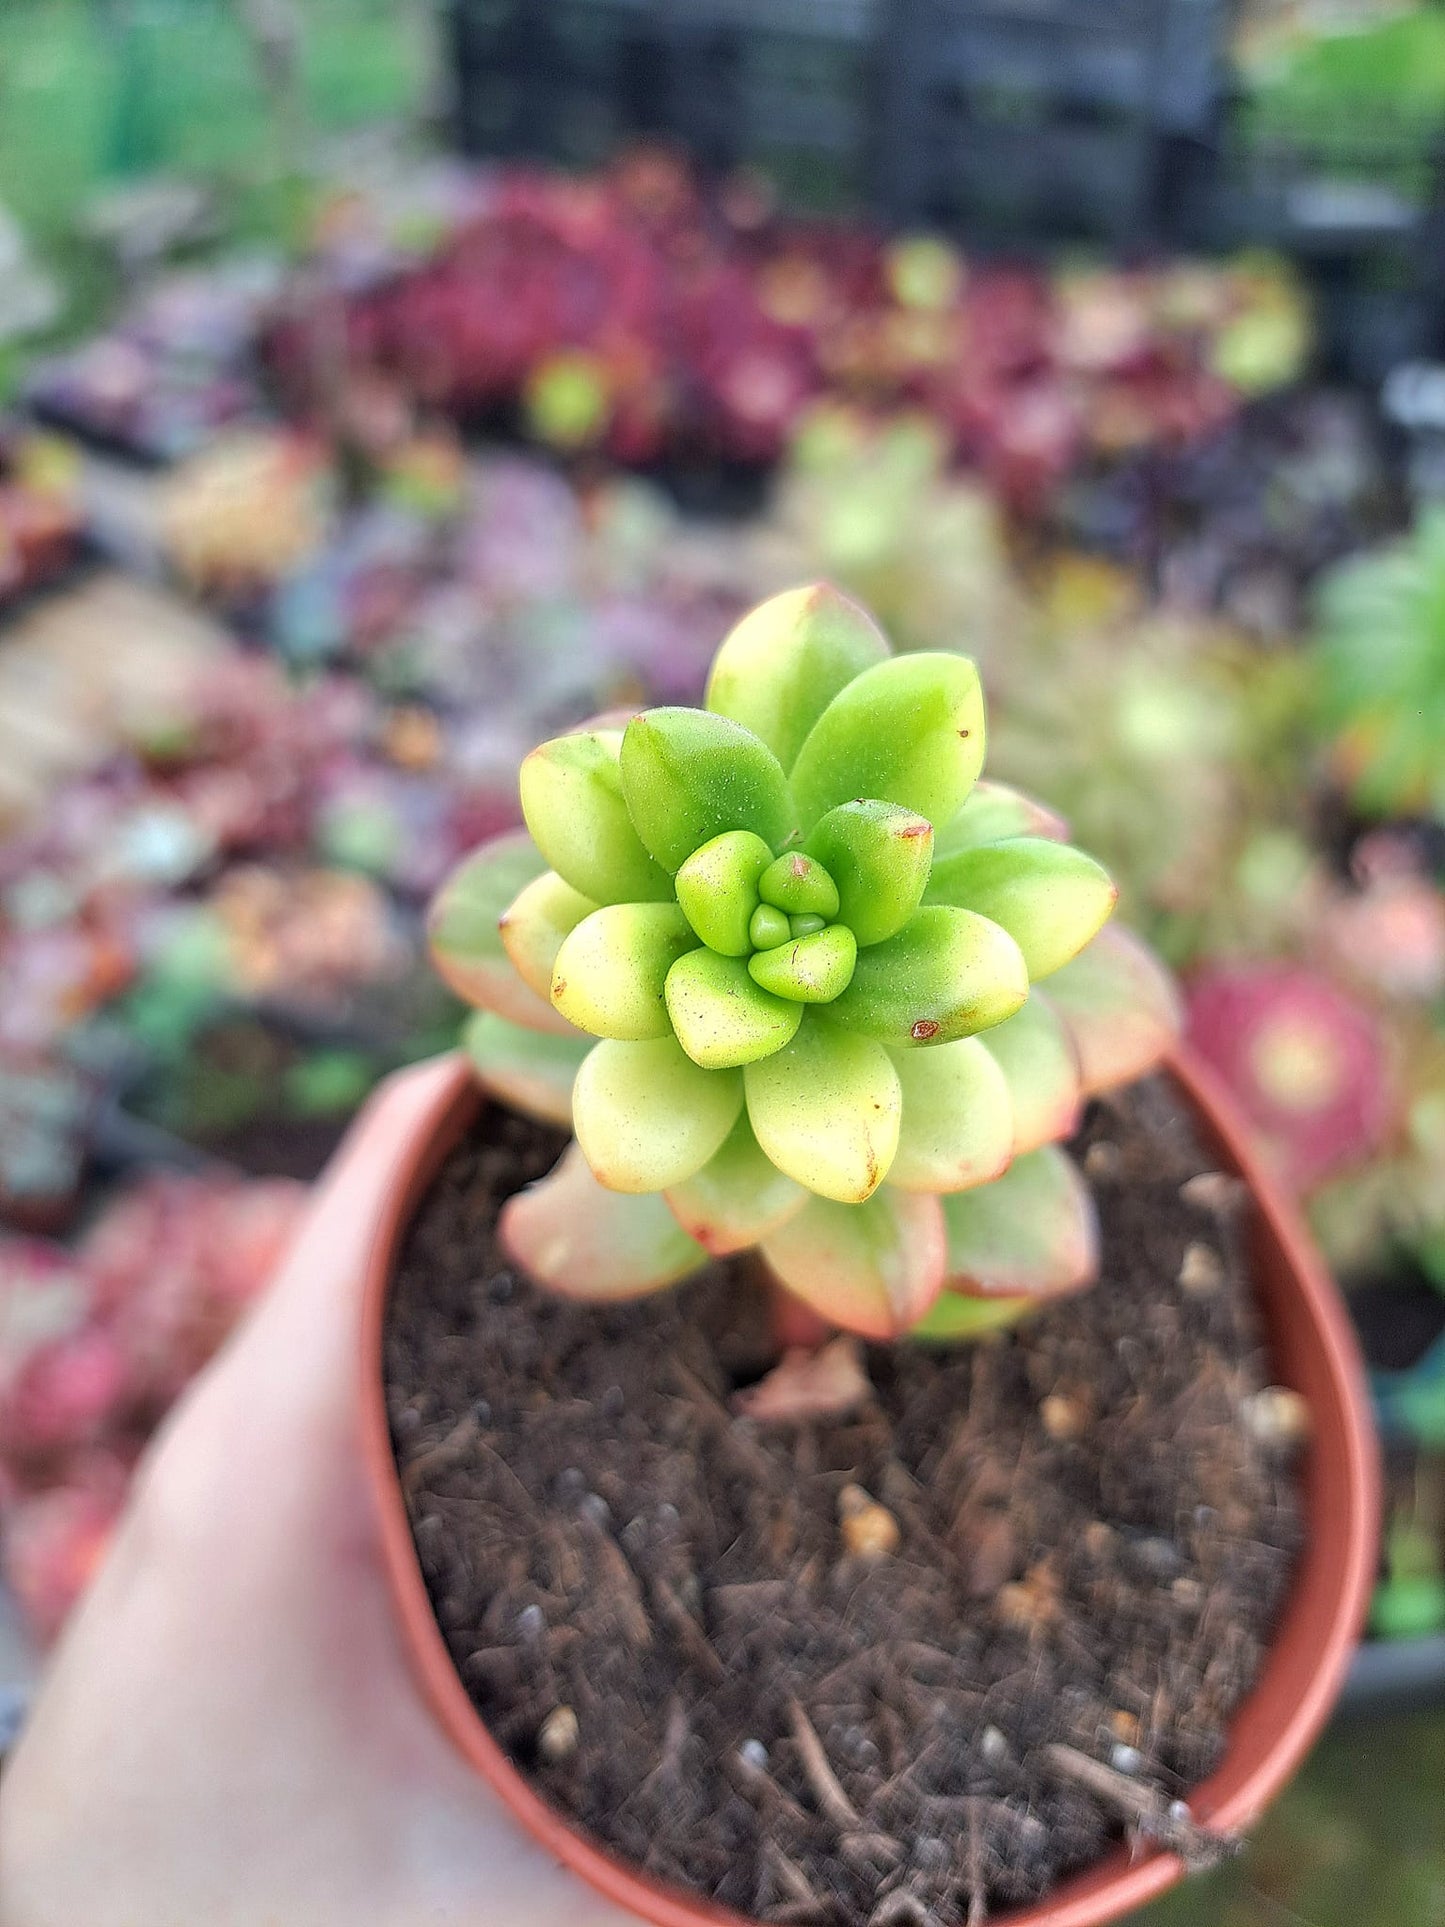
[809, 970]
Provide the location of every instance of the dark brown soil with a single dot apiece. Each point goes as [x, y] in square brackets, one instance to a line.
[653, 1607]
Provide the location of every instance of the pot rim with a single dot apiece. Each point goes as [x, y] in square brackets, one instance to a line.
[1313, 1350]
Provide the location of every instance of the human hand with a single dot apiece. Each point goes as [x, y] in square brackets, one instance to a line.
[229, 1734]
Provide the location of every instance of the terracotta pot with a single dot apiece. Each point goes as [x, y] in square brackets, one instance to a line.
[1314, 1352]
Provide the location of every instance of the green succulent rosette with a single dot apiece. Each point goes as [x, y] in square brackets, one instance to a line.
[773, 962]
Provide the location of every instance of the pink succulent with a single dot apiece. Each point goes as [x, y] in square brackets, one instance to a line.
[1304, 1060]
[66, 1394]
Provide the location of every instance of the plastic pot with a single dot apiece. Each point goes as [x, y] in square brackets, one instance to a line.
[1313, 1351]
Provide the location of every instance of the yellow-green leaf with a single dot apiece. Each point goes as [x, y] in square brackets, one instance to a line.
[610, 973]
[910, 731]
[826, 1110]
[778, 670]
[958, 1125]
[534, 924]
[721, 1017]
[947, 974]
[647, 1116]
[1050, 897]
[572, 800]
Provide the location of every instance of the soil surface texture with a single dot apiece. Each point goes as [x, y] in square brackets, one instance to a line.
[1076, 1542]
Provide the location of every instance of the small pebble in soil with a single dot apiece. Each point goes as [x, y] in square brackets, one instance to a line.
[755, 1753]
[993, 1746]
[593, 1506]
[1277, 1416]
[869, 1530]
[1212, 1191]
[531, 1622]
[1201, 1274]
[557, 1740]
[1124, 1726]
[1126, 1759]
[1160, 1558]
[1063, 1417]
[1101, 1160]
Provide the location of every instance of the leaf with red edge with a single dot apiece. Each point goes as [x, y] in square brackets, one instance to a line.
[1041, 1067]
[533, 1073]
[829, 1383]
[577, 1238]
[872, 1268]
[738, 1197]
[465, 938]
[1120, 1006]
[1031, 1233]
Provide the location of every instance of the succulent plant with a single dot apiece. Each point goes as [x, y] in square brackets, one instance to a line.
[778, 979]
[1306, 1062]
[1381, 663]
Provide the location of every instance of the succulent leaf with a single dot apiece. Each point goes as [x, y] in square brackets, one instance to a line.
[800, 885]
[810, 970]
[1050, 897]
[780, 667]
[738, 1196]
[873, 1268]
[688, 776]
[994, 812]
[947, 974]
[718, 889]
[909, 731]
[878, 855]
[1031, 1233]
[610, 973]
[958, 1127]
[722, 1018]
[532, 1072]
[466, 943]
[579, 1239]
[647, 1116]
[768, 927]
[952, 1318]
[573, 802]
[1041, 1068]
[534, 924]
[1120, 1006]
[826, 1110]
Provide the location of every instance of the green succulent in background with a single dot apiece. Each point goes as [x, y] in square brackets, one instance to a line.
[772, 960]
[873, 503]
[1172, 746]
[1380, 659]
